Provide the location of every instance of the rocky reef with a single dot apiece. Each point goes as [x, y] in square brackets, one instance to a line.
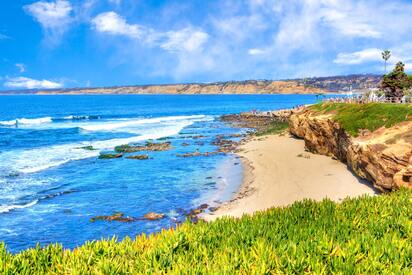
[382, 157]
[149, 146]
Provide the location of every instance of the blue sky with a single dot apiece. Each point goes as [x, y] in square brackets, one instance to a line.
[81, 43]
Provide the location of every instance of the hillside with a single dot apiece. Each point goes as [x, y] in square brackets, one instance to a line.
[316, 85]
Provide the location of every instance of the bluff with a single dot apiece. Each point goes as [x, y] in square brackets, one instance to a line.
[314, 85]
[382, 156]
[234, 87]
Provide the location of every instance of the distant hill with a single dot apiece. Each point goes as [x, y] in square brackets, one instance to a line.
[332, 84]
[343, 83]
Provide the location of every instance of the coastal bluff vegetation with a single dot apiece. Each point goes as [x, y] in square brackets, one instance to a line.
[314, 85]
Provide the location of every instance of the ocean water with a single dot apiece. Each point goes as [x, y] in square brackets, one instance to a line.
[50, 187]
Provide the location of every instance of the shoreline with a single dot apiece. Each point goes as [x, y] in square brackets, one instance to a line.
[277, 172]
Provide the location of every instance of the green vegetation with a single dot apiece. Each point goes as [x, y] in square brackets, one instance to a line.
[368, 235]
[396, 83]
[386, 54]
[276, 127]
[354, 117]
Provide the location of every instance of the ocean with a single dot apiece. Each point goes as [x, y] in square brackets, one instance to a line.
[51, 185]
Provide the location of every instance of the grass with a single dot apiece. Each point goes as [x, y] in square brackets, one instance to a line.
[273, 128]
[354, 117]
[367, 235]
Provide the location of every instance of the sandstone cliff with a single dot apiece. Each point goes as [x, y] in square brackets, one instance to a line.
[241, 87]
[383, 157]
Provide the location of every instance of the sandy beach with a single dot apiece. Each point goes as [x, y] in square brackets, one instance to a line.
[278, 171]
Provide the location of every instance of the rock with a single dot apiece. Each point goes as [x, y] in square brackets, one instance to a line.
[89, 148]
[383, 157]
[213, 209]
[203, 206]
[138, 157]
[152, 216]
[185, 144]
[110, 156]
[197, 154]
[119, 217]
[149, 146]
[306, 156]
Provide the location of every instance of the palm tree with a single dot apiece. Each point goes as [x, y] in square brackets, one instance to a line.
[386, 54]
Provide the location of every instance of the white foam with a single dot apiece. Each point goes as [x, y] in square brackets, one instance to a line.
[8, 208]
[38, 159]
[136, 122]
[26, 121]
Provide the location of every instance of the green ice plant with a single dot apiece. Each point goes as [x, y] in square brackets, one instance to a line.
[366, 235]
[354, 117]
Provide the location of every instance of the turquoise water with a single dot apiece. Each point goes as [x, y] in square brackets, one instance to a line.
[50, 187]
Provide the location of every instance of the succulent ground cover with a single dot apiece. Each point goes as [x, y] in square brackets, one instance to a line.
[364, 235]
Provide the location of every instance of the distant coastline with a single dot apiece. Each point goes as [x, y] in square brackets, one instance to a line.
[315, 85]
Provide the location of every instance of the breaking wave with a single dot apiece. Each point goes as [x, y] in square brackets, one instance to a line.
[44, 120]
[43, 158]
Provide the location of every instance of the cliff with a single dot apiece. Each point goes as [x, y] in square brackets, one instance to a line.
[382, 156]
[241, 87]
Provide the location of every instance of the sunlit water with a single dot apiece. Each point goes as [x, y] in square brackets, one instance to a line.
[50, 186]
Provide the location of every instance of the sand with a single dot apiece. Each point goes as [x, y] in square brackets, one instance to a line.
[277, 172]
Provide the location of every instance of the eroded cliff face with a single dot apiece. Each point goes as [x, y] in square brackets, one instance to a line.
[247, 87]
[383, 157]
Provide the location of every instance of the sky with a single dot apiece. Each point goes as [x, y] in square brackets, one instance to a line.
[95, 43]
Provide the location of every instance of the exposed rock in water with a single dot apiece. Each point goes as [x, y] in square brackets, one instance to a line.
[138, 157]
[198, 154]
[118, 217]
[204, 206]
[383, 157]
[149, 146]
[152, 216]
[88, 148]
[225, 145]
[110, 156]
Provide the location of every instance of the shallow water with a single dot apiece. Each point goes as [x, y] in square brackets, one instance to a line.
[50, 186]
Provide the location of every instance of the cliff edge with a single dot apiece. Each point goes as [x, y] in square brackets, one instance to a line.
[382, 156]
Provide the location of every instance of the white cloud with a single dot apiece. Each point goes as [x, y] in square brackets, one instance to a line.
[29, 83]
[359, 57]
[256, 51]
[21, 67]
[112, 23]
[350, 23]
[187, 39]
[54, 17]
[402, 52]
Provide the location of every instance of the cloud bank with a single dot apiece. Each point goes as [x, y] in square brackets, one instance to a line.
[29, 83]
